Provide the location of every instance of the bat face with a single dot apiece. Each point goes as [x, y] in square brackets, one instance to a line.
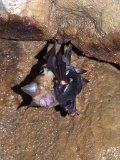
[60, 84]
[41, 90]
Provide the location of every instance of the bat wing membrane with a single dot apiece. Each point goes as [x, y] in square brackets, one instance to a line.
[56, 64]
[67, 55]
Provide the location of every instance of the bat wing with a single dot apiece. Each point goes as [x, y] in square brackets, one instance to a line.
[51, 62]
[60, 68]
[67, 55]
[56, 64]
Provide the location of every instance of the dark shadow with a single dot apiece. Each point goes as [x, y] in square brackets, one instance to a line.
[58, 108]
[77, 51]
[117, 66]
[80, 53]
[26, 98]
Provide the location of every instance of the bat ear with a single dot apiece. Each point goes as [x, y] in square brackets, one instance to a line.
[80, 70]
[67, 55]
[84, 81]
[30, 88]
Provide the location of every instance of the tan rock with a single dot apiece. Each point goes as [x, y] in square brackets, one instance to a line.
[39, 133]
[93, 26]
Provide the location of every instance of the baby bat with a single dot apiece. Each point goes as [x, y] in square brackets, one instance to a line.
[60, 83]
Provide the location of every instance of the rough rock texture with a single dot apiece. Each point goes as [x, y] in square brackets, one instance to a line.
[26, 20]
[39, 133]
[92, 25]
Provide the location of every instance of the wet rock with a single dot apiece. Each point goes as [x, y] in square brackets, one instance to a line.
[39, 133]
[93, 26]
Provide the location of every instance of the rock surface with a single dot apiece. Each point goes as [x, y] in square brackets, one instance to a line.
[39, 133]
[93, 26]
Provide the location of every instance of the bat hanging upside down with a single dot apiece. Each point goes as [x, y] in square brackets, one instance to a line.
[59, 84]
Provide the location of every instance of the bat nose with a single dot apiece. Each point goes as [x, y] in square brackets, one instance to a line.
[30, 88]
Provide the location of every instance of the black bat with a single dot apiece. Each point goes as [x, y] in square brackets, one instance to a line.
[67, 79]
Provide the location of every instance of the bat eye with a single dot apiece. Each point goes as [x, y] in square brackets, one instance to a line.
[71, 80]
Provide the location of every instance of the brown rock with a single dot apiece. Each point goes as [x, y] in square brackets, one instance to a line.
[26, 20]
[93, 26]
[38, 133]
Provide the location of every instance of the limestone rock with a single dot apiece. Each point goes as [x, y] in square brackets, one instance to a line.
[39, 133]
[92, 26]
[26, 20]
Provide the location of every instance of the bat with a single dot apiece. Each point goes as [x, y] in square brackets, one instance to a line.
[67, 79]
[60, 83]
